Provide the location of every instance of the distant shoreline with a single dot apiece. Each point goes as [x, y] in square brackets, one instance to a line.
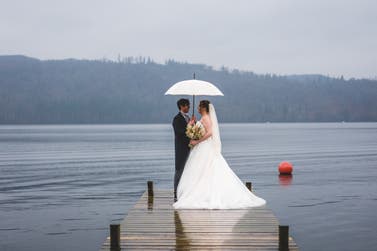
[128, 91]
[230, 123]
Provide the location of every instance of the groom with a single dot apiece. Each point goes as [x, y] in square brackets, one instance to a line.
[182, 148]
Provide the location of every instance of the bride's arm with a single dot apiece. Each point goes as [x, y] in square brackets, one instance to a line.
[208, 128]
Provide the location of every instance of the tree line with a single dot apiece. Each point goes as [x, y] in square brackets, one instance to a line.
[131, 90]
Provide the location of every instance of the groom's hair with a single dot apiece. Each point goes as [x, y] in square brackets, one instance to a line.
[182, 102]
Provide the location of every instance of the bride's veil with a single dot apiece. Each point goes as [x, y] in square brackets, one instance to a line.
[215, 128]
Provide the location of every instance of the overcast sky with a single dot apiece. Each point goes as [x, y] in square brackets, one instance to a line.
[330, 37]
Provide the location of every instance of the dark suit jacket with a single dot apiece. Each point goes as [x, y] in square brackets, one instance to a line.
[182, 149]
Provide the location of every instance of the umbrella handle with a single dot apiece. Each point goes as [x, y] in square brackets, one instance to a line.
[193, 105]
[193, 101]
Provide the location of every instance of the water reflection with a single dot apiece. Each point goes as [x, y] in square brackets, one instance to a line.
[196, 227]
[285, 179]
[181, 240]
[150, 202]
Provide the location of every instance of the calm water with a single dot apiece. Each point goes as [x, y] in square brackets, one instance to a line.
[62, 185]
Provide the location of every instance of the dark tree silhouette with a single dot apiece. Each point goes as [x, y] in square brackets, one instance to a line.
[131, 90]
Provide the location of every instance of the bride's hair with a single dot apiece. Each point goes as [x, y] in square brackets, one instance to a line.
[204, 104]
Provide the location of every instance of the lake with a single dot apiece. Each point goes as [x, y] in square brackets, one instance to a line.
[62, 185]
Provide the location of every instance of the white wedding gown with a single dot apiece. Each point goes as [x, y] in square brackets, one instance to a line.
[207, 181]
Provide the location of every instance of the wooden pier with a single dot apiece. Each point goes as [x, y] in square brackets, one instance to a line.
[153, 224]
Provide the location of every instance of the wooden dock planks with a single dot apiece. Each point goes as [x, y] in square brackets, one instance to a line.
[153, 224]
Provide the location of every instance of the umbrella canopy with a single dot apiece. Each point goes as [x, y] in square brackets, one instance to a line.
[194, 87]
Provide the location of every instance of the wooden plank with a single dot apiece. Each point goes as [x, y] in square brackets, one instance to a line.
[153, 224]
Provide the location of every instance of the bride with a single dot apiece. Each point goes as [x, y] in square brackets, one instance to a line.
[207, 181]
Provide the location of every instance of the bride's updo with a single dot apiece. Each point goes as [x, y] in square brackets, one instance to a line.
[204, 104]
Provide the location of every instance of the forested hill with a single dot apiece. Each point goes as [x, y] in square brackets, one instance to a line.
[131, 90]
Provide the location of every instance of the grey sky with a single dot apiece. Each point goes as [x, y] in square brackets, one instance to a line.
[331, 37]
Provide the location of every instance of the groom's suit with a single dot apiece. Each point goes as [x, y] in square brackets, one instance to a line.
[182, 149]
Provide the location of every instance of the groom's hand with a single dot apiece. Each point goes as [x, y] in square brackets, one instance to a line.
[193, 118]
[193, 142]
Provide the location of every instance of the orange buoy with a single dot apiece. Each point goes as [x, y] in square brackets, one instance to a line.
[285, 167]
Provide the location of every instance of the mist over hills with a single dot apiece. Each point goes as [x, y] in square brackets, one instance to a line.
[131, 90]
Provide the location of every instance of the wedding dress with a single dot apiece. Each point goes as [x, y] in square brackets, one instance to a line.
[208, 182]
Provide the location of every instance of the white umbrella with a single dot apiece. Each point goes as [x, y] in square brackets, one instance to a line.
[194, 87]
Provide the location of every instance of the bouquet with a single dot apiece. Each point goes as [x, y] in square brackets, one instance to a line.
[195, 131]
